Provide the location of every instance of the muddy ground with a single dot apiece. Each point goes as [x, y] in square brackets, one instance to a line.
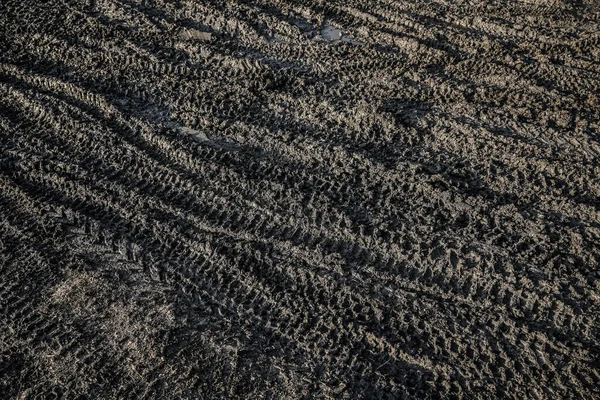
[299, 199]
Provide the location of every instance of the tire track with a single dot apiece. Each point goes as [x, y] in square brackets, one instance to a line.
[409, 211]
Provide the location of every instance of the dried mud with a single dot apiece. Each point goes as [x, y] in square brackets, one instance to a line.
[307, 199]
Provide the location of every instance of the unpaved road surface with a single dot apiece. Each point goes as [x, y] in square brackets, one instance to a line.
[299, 199]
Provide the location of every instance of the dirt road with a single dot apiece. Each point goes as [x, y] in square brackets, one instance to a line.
[299, 199]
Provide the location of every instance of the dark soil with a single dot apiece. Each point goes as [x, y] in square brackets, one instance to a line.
[308, 199]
